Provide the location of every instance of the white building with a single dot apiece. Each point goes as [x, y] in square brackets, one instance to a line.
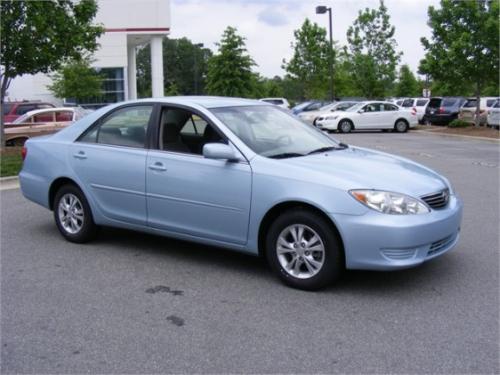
[128, 24]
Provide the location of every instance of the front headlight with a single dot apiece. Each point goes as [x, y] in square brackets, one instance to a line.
[389, 203]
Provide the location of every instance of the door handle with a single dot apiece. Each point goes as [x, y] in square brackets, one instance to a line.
[158, 166]
[80, 155]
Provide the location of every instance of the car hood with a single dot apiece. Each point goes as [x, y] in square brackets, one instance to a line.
[359, 168]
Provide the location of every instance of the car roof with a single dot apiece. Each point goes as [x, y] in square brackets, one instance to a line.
[56, 109]
[204, 101]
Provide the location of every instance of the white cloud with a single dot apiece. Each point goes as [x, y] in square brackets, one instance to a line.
[268, 25]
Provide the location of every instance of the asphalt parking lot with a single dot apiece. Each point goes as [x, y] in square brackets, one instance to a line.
[135, 303]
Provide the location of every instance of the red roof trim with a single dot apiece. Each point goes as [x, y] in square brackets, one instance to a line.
[141, 29]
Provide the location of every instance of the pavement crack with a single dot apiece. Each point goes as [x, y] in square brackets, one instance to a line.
[179, 322]
[164, 289]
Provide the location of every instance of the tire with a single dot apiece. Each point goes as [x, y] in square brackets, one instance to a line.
[401, 126]
[345, 126]
[80, 226]
[315, 269]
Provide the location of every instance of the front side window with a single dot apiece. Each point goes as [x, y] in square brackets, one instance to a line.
[271, 132]
[490, 102]
[374, 107]
[124, 127]
[471, 103]
[43, 117]
[185, 132]
[22, 109]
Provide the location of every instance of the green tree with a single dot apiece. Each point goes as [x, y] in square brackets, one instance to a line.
[309, 63]
[40, 36]
[230, 70]
[464, 46]
[185, 65]
[77, 80]
[407, 85]
[373, 57]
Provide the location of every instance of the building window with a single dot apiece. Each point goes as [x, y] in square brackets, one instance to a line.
[113, 89]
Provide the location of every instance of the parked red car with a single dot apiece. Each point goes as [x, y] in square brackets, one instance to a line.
[12, 110]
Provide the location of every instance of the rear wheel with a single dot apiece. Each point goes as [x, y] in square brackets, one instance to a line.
[345, 126]
[73, 216]
[303, 250]
[401, 126]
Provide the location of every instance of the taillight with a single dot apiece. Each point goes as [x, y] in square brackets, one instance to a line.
[414, 111]
[24, 152]
[441, 110]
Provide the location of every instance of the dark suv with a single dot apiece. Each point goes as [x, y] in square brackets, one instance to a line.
[12, 110]
[442, 111]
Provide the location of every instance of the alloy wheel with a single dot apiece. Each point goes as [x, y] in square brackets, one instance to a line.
[300, 251]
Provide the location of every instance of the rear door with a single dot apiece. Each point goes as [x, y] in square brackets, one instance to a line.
[110, 159]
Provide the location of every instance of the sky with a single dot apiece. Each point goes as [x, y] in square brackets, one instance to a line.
[268, 25]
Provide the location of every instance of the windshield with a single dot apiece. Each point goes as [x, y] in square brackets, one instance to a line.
[21, 119]
[301, 105]
[271, 132]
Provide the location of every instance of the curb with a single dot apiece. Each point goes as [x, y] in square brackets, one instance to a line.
[458, 136]
[8, 183]
[9, 179]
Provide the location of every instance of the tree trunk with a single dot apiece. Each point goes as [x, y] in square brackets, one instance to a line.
[477, 119]
[5, 82]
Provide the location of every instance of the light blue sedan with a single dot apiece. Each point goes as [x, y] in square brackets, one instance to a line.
[244, 175]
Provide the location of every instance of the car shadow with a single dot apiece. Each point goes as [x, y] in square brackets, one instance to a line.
[146, 246]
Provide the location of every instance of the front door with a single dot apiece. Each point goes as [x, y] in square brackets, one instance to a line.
[189, 194]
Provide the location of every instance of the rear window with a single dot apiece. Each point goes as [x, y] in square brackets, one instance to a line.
[449, 102]
[471, 103]
[6, 108]
[273, 101]
[435, 102]
[422, 102]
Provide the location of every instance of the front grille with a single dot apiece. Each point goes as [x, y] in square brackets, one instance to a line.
[437, 246]
[437, 200]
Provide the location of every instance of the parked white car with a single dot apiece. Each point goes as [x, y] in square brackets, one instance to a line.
[494, 115]
[280, 102]
[369, 115]
[311, 116]
[419, 104]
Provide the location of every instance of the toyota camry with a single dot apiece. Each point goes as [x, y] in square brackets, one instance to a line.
[244, 175]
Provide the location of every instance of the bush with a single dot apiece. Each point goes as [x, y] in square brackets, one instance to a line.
[458, 124]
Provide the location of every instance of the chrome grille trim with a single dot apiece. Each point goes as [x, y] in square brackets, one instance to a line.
[437, 200]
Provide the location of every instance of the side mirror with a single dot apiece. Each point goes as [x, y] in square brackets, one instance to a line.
[220, 151]
[332, 110]
[361, 111]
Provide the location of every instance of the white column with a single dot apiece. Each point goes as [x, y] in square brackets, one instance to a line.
[157, 66]
[132, 74]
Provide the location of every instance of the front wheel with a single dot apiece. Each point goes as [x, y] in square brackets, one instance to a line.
[303, 250]
[73, 216]
[345, 126]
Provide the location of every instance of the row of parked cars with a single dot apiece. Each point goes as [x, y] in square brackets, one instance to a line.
[443, 110]
[27, 119]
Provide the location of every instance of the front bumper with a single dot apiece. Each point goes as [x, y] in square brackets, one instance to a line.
[376, 241]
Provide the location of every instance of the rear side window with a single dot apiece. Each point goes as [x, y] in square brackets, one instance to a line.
[390, 107]
[490, 102]
[449, 102]
[44, 117]
[22, 109]
[497, 104]
[124, 127]
[422, 102]
[435, 102]
[408, 103]
[471, 103]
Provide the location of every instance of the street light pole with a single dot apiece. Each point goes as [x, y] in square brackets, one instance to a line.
[197, 45]
[322, 10]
